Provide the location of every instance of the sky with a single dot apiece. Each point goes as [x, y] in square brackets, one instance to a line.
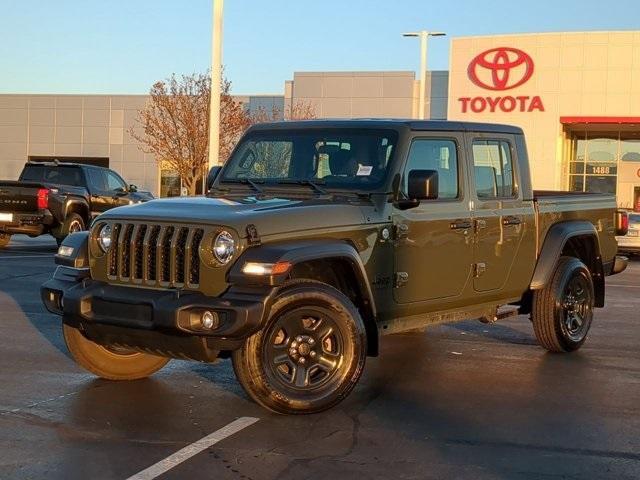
[123, 46]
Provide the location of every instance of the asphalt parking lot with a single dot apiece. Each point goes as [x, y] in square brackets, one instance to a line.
[461, 401]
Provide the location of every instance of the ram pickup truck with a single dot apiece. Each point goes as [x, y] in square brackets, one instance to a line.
[60, 198]
[318, 238]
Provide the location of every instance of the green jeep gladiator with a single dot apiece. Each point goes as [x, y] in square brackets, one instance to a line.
[319, 237]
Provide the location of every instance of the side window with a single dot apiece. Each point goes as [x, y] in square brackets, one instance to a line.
[63, 176]
[114, 182]
[96, 179]
[439, 155]
[493, 169]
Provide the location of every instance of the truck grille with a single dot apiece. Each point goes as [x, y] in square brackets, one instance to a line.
[155, 255]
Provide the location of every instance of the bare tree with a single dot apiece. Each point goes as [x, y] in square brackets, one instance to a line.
[175, 124]
[299, 110]
[278, 152]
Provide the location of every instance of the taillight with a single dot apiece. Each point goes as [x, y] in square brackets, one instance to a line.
[622, 223]
[43, 198]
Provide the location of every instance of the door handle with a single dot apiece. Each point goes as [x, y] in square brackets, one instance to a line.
[460, 225]
[511, 220]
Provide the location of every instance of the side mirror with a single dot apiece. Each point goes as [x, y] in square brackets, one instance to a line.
[212, 175]
[421, 185]
[133, 188]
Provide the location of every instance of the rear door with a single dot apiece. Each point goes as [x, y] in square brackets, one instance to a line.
[433, 253]
[499, 212]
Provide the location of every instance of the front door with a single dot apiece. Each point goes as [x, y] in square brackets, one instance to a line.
[433, 253]
[96, 184]
[118, 189]
[499, 212]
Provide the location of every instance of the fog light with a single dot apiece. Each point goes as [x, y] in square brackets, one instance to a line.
[56, 301]
[209, 320]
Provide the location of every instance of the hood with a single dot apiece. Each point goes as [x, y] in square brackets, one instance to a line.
[270, 215]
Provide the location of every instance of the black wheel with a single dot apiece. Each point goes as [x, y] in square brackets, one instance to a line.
[563, 309]
[5, 238]
[110, 363]
[309, 355]
[72, 224]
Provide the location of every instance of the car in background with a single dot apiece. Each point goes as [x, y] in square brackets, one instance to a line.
[60, 198]
[630, 243]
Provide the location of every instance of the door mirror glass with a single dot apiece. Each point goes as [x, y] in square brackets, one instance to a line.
[423, 185]
[211, 177]
[133, 188]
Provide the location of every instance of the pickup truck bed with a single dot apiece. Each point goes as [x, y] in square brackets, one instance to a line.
[553, 207]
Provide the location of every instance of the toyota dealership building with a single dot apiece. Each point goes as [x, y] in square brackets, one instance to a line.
[576, 95]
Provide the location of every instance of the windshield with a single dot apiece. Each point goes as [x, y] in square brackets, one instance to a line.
[339, 158]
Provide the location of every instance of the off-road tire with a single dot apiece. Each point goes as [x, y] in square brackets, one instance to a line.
[4, 240]
[110, 364]
[322, 383]
[552, 307]
[72, 224]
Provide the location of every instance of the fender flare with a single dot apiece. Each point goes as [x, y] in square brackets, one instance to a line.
[296, 252]
[554, 242]
[71, 202]
[79, 256]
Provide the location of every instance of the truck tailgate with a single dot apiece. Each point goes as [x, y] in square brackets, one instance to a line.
[19, 196]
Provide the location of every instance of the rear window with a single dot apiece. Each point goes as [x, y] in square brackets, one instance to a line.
[60, 175]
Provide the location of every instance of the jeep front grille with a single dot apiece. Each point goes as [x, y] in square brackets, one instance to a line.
[155, 255]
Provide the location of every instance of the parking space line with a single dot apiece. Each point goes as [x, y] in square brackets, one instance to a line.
[193, 449]
[3, 257]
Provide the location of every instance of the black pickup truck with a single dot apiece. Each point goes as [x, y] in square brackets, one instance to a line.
[60, 198]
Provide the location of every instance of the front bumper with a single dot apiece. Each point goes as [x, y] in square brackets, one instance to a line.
[156, 321]
[32, 224]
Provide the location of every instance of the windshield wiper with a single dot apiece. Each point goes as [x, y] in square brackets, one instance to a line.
[305, 181]
[245, 181]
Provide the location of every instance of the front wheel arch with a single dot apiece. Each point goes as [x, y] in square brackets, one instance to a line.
[314, 260]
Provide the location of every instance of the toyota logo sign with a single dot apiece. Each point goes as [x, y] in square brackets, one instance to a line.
[498, 69]
[501, 68]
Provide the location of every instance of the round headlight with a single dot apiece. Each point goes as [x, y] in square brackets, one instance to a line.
[224, 246]
[104, 237]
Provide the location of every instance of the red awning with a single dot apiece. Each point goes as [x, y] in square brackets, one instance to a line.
[605, 120]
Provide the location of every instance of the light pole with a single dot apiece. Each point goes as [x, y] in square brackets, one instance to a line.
[423, 34]
[216, 79]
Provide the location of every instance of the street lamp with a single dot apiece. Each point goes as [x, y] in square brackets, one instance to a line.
[216, 80]
[423, 34]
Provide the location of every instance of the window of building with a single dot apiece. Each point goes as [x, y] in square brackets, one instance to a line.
[595, 159]
[493, 168]
[439, 155]
[630, 150]
[169, 183]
